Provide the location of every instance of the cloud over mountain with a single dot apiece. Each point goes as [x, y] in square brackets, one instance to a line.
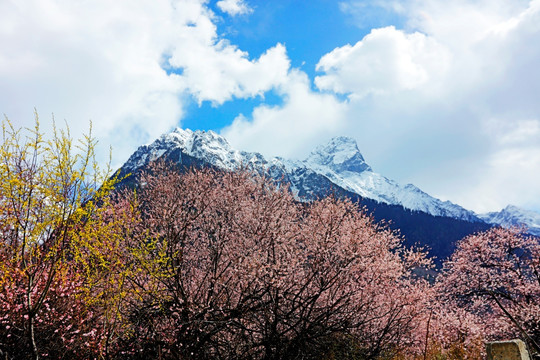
[440, 94]
[131, 68]
[437, 102]
[386, 60]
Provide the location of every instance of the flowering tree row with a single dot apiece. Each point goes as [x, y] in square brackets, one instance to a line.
[227, 265]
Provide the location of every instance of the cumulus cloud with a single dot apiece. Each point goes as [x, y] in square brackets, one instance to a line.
[220, 72]
[512, 169]
[502, 79]
[519, 132]
[304, 119]
[234, 7]
[386, 60]
[128, 66]
[509, 174]
[448, 101]
[421, 102]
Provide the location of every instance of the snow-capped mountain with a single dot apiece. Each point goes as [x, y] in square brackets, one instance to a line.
[339, 162]
[514, 216]
[342, 163]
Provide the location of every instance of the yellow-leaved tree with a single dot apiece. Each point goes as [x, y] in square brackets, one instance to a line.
[51, 191]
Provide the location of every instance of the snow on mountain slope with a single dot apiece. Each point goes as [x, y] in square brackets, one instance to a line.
[339, 162]
[340, 154]
[514, 216]
[207, 146]
[342, 163]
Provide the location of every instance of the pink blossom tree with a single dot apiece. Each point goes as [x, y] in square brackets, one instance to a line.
[231, 266]
[65, 328]
[495, 277]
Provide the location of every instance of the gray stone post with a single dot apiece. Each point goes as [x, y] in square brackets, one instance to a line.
[507, 350]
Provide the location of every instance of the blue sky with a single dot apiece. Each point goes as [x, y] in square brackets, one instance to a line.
[307, 31]
[436, 93]
[288, 22]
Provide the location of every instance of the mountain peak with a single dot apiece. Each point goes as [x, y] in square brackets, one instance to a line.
[206, 145]
[512, 215]
[340, 154]
[513, 209]
[338, 163]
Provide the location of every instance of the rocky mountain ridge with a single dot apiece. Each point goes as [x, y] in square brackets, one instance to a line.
[336, 168]
[514, 216]
[338, 162]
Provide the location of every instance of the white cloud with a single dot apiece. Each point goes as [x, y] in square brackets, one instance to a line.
[386, 60]
[423, 99]
[462, 22]
[88, 62]
[422, 102]
[514, 133]
[220, 72]
[510, 172]
[234, 7]
[302, 121]
[106, 61]
[508, 176]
